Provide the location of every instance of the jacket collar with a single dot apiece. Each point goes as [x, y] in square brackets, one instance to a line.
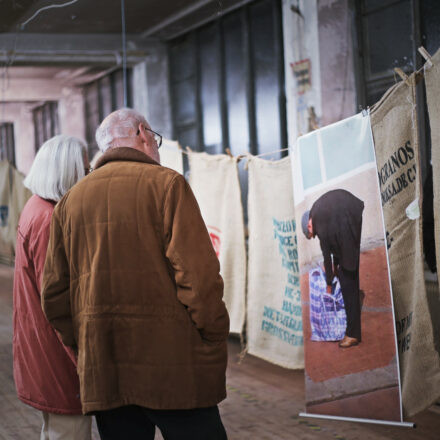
[124, 154]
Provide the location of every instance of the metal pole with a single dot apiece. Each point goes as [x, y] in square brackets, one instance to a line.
[124, 53]
[355, 419]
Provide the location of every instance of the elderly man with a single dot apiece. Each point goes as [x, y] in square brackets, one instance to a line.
[336, 218]
[132, 282]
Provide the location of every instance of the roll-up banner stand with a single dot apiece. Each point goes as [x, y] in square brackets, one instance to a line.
[351, 354]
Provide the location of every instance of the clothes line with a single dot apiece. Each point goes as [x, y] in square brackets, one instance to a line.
[241, 156]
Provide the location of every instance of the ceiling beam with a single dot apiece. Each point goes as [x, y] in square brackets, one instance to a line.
[175, 17]
[71, 49]
[174, 34]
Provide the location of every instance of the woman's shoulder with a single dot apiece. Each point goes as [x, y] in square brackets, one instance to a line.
[36, 213]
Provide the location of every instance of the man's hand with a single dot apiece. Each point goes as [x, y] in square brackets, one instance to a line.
[329, 289]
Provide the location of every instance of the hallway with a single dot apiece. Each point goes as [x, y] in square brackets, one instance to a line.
[263, 400]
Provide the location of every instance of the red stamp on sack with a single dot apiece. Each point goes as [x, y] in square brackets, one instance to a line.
[215, 235]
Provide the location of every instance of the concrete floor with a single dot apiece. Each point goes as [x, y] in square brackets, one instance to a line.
[263, 400]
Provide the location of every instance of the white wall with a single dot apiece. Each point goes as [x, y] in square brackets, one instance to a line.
[20, 95]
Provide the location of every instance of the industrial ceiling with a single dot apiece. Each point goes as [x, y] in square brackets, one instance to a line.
[152, 19]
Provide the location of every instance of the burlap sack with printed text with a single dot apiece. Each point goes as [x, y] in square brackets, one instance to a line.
[214, 181]
[432, 81]
[13, 197]
[394, 126]
[274, 320]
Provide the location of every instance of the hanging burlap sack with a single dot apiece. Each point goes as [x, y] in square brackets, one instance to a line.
[13, 197]
[214, 181]
[432, 81]
[394, 126]
[171, 155]
[19, 197]
[7, 237]
[274, 321]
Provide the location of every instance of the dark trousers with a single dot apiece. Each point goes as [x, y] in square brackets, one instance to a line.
[350, 292]
[138, 423]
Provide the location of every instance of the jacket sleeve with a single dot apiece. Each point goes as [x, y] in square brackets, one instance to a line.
[190, 252]
[328, 266]
[38, 250]
[55, 289]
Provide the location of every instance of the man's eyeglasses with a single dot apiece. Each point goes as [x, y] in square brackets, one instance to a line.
[157, 136]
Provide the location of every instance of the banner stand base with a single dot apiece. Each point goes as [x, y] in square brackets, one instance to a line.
[354, 419]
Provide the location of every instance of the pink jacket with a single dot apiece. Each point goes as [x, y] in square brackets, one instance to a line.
[44, 369]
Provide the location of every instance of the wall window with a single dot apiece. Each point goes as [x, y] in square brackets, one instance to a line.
[321, 159]
[46, 124]
[101, 98]
[385, 43]
[7, 144]
[227, 83]
[389, 33]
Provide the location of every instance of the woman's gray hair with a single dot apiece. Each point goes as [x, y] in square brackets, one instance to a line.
[122, 123]
[58, 165]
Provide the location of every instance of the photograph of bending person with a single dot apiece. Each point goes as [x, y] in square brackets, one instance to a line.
[336, 219]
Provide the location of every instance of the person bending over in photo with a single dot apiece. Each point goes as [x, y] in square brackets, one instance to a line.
[336, 219]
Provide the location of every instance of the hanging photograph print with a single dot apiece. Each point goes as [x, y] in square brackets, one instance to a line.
[351, 365]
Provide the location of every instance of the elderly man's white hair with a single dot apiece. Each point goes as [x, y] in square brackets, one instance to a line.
[123, 123]
[58, 165]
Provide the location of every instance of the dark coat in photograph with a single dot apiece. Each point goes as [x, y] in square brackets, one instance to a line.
[337, 222]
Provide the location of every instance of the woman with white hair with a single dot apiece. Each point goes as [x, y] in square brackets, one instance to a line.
[44, 369]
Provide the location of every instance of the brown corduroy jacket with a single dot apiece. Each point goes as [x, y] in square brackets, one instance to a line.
[132, 282]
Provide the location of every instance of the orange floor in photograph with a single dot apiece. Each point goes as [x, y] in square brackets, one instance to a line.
[325, 360]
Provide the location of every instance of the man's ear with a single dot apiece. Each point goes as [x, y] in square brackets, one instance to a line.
[142, 132]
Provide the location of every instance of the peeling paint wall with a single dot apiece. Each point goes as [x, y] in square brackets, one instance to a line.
[319, 31]
[300, 27]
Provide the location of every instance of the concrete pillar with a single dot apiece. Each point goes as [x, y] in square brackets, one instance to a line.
[338, 89]
[71, 112]
[140, 95]
[158, 94]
